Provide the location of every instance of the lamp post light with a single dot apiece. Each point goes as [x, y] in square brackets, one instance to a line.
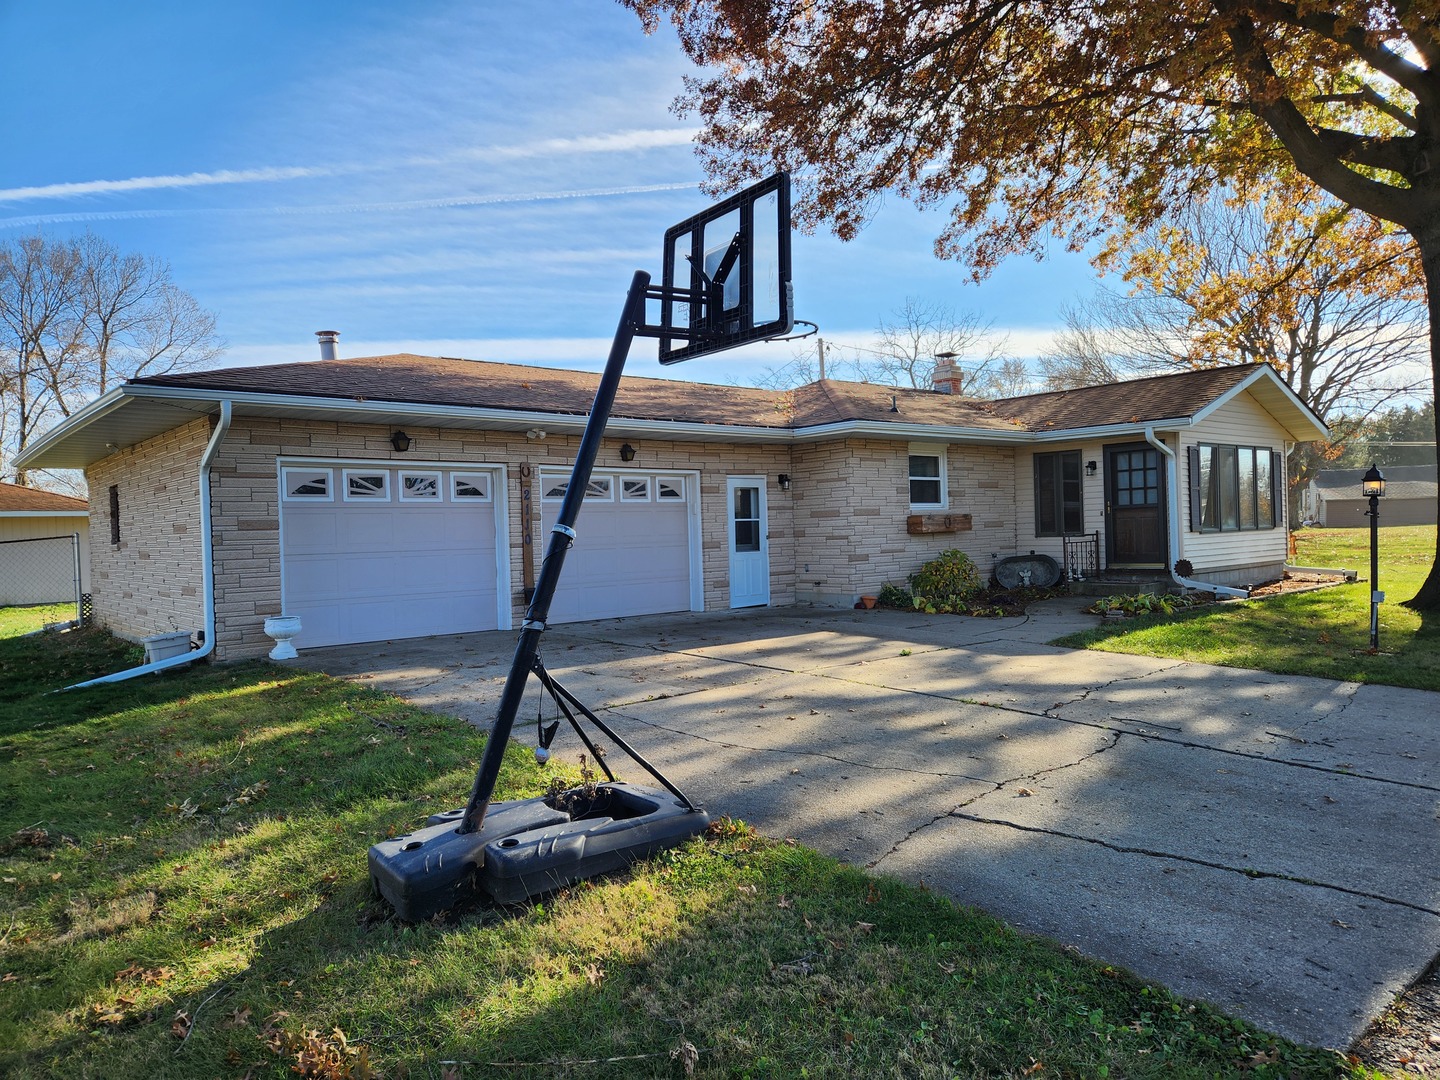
[1372, 487]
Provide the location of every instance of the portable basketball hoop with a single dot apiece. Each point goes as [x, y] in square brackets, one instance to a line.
[726, 283]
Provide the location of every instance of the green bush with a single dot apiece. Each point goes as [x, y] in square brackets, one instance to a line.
[945, 582]
[1145, 604]
[894, 596]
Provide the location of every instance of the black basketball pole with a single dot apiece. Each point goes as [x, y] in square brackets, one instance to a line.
[561, 537]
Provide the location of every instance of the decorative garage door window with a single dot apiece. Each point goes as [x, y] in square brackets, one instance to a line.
[308, 484]
[635, 489]
[470, 487]
[670, 489]
[419, 487]
[600, 488]
[364, 486]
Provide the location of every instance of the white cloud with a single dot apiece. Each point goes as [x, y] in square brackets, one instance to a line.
[442, 203]
[152, 183]
[616, 142]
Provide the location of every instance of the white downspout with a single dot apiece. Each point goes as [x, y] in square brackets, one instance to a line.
[1172, 522]
[207, 572]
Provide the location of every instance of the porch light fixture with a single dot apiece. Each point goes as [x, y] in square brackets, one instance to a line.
[1091, 468]
[1372, 487]
[400, 441]
[784, 481]
[627, 452]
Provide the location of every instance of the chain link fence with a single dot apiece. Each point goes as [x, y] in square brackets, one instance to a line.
[41, 570]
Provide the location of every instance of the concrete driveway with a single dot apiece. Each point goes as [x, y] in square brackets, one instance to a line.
[1266, 843]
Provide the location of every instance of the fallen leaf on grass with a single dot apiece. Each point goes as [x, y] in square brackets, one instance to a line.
[865, 927]
[239, 1018]
[180, 1026]
[687, 1055]
[594, 973]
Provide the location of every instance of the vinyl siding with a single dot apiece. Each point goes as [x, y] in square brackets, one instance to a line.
[1241, 422]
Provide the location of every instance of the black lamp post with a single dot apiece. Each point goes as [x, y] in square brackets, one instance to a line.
[1372, 486]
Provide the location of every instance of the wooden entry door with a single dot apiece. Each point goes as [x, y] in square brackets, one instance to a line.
[1134, 506]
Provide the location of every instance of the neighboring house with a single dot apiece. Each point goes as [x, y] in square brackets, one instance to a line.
[38, 555]
[401, 496]
[1333, 498]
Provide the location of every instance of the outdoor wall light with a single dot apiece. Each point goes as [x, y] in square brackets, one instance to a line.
[784, 481]
[400, 441]
[627, 452]
[1372, 486]
[1091, 468]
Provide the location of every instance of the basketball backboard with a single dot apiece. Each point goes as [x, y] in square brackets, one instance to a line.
[727, 274]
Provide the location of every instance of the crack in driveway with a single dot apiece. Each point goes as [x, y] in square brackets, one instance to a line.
[998, 786]
[1170, 856]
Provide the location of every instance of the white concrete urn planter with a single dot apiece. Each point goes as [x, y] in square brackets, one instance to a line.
[282, 628]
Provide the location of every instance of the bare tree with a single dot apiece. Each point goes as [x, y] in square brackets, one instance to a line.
[907, 345]
[79, 316]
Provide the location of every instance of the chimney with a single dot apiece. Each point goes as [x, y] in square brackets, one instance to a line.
[329, 344]
[948, 378]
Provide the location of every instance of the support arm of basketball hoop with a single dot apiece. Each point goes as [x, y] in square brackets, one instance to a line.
[560, 538]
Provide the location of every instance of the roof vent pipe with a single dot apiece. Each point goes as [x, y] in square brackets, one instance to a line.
[329, 344]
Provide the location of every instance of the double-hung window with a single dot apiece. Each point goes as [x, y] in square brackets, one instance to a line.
[1059, 509]
[1235, 488]
[927, 478]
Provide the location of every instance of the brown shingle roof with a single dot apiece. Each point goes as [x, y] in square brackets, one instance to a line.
[431, 380]
[1138, 401]
[14, 498]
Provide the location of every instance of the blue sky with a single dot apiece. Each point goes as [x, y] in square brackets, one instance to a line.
[462, 179]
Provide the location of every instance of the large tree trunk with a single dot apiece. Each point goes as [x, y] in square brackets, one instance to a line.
[1428, 598]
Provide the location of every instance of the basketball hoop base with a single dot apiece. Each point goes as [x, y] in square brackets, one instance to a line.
[528, 847]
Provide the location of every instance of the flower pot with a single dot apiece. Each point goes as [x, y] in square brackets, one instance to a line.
[867, 602]
[282, 628]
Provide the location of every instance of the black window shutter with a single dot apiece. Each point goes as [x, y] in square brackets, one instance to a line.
[1193, 458]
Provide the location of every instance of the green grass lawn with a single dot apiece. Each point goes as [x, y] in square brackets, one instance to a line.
[182, 865]
[1324, 633]
[15, 621]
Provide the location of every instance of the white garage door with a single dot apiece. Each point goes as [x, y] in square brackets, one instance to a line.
[371, 553]
[633, 549]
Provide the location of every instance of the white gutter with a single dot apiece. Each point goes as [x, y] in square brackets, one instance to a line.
[207, 572]
[1172, 522]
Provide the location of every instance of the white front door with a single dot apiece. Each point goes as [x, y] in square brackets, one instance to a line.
[749, 544]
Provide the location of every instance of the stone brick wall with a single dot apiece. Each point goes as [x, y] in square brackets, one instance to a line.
[837, 534]
[247, 521]
[149, 582]
[852, 498]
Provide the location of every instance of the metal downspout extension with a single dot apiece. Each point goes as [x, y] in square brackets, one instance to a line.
[1172, 523]
[207, 565]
